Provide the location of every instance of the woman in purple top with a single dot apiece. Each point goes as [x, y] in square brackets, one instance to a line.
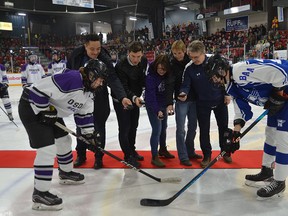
[155, 100]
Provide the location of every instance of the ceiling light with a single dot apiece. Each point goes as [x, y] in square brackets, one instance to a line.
[183, 8]
[21, 14]
[8, 4]
[133, 18]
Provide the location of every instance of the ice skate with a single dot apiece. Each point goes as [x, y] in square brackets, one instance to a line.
[274, 189]
[261, 179]
[45, 201]
[70, 177]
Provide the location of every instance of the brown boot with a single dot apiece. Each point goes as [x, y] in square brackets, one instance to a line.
[157, 162]
[206, 160]
[227, 158]
[165, 153]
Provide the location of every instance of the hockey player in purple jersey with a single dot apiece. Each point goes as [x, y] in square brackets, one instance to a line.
[57, 65]
[4, 95]
[67, 93]
[262, 83]
[32, 71]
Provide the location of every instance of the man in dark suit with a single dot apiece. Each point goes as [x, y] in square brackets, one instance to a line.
[91, 49]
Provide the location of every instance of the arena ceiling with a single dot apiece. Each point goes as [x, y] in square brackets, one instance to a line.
[46, 6]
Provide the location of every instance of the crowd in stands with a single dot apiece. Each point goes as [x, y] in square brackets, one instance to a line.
[259, 43]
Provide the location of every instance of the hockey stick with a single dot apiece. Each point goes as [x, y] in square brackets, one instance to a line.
[165, 202]
[168, 180]
[8, 117]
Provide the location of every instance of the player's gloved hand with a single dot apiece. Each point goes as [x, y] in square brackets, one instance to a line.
[3, 86]
[275, 102]
[25, 85]
[94, 140]
[48, 117]
[232, 141]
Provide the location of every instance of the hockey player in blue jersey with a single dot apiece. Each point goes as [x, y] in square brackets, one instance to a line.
[263, 83]
[68, 93]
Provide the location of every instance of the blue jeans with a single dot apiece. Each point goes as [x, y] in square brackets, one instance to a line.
[185, 147]
[158, 135]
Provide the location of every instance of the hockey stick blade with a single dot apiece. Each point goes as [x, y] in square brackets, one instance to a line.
[165, 202]
[155, 202]
[171, 180]
[167, 180]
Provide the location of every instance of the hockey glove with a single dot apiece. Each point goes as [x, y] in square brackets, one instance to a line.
[3, 86]
[276, 102]
[48, 117]
[232, 142]
[94, 140]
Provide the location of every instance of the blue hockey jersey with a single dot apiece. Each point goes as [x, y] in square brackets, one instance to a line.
[252, 82]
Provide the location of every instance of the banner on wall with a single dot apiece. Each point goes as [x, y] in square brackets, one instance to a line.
[237, 24]
[75, 3]
[206, 15]
[280, 14]
[6, 26]
[14, 79]
[151, 32]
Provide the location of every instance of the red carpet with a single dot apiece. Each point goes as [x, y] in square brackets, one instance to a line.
[241, 159]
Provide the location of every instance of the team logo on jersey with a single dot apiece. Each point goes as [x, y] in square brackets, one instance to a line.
[255, 98]
[280, 122]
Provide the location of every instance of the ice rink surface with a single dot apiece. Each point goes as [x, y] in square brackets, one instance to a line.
[110, 192]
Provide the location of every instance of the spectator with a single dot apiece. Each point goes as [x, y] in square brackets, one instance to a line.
[210, 97]
[92, 50]
[183, 109]
[131, 70]
[155, 102]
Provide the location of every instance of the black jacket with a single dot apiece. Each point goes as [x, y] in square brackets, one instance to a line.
[174, 80]
[132, 77]
[78, 58]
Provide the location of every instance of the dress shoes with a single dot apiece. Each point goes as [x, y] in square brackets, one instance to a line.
[157, 162]
[79, 161]
[165, 153]
[195, 156]
[138, 157]
[186, 163]
[98, 164]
